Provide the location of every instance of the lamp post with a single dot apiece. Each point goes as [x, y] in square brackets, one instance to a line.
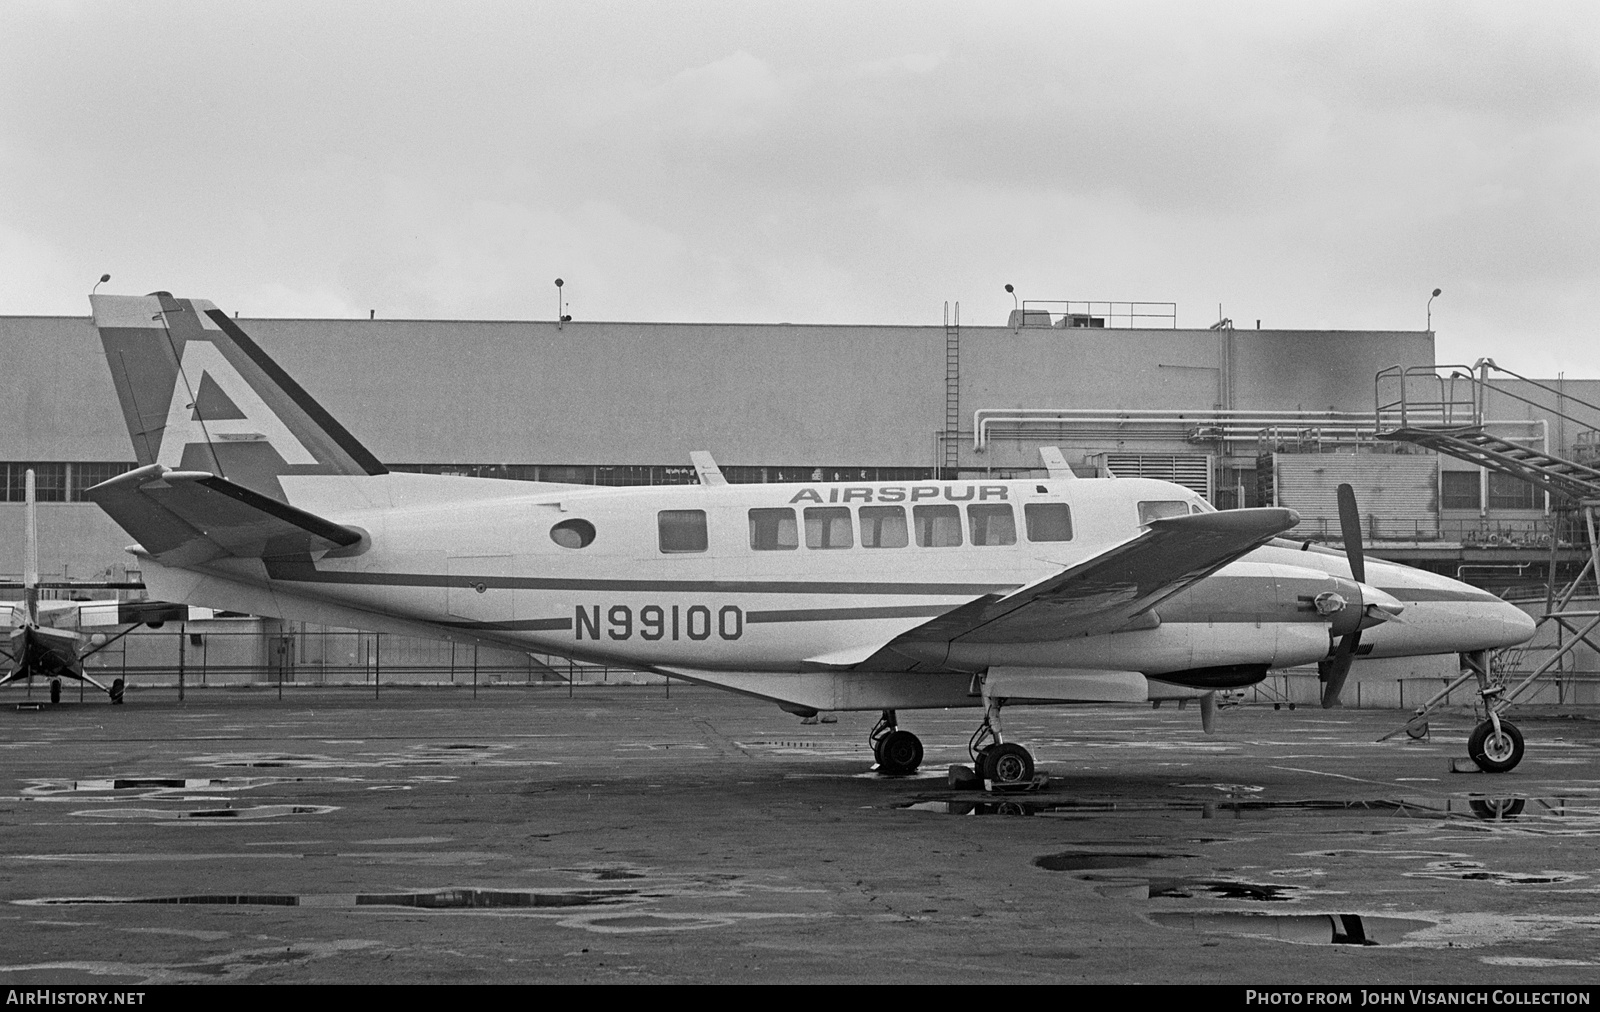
[1435, 295]
[103, 279]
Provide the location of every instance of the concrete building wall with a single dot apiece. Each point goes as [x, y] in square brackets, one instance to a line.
[628, 393]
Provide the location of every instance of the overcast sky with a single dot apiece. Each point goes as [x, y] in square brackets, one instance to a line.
[1309, 165]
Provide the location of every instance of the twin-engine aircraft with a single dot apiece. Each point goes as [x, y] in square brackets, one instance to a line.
[820, 596]
[52, 639]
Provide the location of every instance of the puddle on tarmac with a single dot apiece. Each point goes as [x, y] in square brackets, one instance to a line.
[50, 788]
[1304, 929]
[216, 814]
[441, 899]
[1083, 860]
[1481, 808]
[1474, 871]
[424, 754]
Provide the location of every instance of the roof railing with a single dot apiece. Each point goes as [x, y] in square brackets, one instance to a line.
[1074, 314]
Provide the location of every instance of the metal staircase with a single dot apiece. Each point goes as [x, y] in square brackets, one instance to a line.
[1446, 414]
[1553, 474]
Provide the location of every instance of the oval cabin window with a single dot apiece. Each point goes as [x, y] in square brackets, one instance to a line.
[572, 533]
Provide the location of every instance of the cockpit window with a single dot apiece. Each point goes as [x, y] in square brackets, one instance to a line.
[1160, 509]
[1048, 521]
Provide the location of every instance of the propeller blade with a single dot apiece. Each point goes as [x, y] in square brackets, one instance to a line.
[1208, 712]
[1350, 530]
[1339, 669]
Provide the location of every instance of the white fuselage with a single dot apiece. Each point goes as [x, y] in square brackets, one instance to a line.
[477, 559]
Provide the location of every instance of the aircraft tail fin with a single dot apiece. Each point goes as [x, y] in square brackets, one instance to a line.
[199, 395]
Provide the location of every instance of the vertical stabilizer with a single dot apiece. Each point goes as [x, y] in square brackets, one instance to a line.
[199, 395]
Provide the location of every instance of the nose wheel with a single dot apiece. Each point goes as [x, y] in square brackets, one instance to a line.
[1496, 746]
[898, 752]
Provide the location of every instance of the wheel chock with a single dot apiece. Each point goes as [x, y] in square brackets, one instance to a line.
[1463, 764]
[962, 778]
[1038, 783]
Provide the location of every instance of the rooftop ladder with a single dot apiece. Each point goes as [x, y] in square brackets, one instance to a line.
[952, 391]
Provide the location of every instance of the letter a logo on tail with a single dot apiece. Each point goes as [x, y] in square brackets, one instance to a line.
[199, 395]
[220, 407]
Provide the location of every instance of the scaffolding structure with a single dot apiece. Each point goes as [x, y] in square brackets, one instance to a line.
[1442, 408]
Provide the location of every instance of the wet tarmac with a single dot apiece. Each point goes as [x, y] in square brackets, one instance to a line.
[620, 835]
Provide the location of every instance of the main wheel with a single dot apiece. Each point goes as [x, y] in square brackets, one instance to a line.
[1008, 764]
[55, 690]
[1495, 753]
[980, 762]
[116, 691]
[899, 752]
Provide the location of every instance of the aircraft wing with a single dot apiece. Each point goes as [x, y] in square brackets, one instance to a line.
[185, 518]
[1113, 590]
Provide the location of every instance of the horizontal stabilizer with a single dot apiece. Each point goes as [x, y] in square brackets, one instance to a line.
[190, 517]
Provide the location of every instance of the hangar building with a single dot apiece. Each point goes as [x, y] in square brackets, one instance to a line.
[1244, 416]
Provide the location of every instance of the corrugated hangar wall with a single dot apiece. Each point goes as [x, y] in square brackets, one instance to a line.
[444, 391]
[627, 393]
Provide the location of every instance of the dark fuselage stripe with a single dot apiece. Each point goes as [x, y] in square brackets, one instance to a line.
[300, 572]
[514, 625]
[845, 614]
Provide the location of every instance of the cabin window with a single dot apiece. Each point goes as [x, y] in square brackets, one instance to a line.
[682, 530]
[1161, 509]
[937, 526]
[573, 533]
[828, 527]
[1048, 521]
[992, 524]
[883, 527]
[774, 530]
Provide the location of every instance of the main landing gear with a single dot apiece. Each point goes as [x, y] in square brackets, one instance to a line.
[898, 752]
[993, 758]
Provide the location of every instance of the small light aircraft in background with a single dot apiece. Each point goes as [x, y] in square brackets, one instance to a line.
[884, 596]
[52, 639]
